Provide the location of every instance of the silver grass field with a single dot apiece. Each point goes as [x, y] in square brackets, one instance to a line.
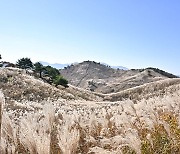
[145, 124]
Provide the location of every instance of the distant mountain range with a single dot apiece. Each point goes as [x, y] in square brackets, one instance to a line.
[55, 65]
[61, 66]
[116, 67]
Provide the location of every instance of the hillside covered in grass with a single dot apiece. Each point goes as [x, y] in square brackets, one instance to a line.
[39, 118]
[101, 78]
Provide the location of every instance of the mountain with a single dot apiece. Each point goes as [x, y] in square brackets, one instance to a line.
[116, 67]
[120, 67]
[55, 65]
[102, 78]
[61, 66]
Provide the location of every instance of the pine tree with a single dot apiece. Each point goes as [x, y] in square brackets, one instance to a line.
[25, 63]
[39, 68]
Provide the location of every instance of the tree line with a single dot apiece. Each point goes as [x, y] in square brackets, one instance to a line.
[48, 73]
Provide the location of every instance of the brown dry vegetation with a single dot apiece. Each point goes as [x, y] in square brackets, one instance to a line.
[58, 125]
[1, 108]
[104, 79]
[19, 86]
[149, 90]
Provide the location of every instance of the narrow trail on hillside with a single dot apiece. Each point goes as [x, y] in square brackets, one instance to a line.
[86, 74]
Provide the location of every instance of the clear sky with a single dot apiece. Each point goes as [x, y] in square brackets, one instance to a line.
[130, 33]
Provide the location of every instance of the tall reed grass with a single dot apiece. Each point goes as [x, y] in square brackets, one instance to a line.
[147, 126]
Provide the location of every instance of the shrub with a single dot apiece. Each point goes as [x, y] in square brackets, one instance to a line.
[60, 80]
[51, 72]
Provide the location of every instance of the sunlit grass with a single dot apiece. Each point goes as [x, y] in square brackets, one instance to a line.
[68, 125]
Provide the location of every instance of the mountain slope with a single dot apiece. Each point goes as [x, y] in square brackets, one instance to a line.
[19, 86]
[104, 79]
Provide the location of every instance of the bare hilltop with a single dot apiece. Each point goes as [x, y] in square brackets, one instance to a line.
[102, 78]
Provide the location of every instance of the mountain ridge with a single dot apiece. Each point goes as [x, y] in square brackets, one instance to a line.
[102, 78]
[61, 66]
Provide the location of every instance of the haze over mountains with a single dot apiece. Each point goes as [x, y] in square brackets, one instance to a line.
[55, 65]
[61, 66]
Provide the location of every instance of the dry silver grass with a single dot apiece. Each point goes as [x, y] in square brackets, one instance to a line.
[146, 91]
[2, 101]
[68, 136]
[147, 126]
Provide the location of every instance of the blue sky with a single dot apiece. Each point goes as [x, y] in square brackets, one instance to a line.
[130, 33]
